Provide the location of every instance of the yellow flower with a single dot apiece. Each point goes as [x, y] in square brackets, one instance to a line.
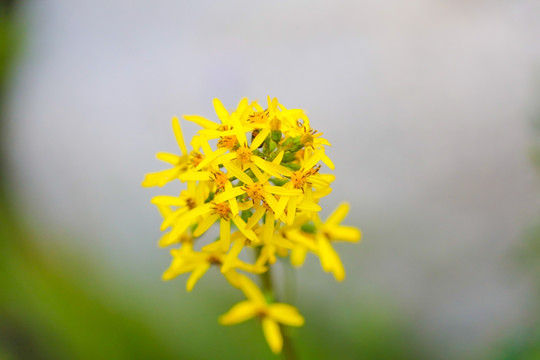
[198, 262]
[185, 208]
[205, 216]
[271, 315]
[321, 235]
[257, 171]
[260, 191]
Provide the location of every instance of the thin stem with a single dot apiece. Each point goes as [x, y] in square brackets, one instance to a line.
[288, 352]
[290, 282]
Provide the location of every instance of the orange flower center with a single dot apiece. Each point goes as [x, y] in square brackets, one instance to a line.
[223, 210]
[259, 117]
[220, 179]
[195, 158]
[244, 154]
[228, 142]
[254, 191]
[298, 179]
[190, 202]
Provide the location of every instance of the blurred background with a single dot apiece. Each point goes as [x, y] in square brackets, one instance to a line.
[433, 110]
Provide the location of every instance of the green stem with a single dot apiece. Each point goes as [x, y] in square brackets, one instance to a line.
[288, 352]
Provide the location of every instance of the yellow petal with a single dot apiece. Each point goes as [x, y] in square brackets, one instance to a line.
[254, 219]
[273, 336]
[169, 220]
[205, 225]
[164, 210]
[195, 176]
[291, 210]
[313, 159]
[325, 159]
[213, 133]
[241, 225]
[225, 234]
[178, 134]
[285, 314]
[236, 172]
[298, 256]
[282, 204]
[339, 214]
[259, 139]
[228, 194]
[221, 112]
[240, 312]
[344, 233]
[232, 256]
[272, 202]
[203, 122]
[210, 157]
[252, 291]
[279, 157]
[245, 205]
[270, 168]
[168, 158]
[166, 240]
[268, 228]
[176, 269]
[233, 204]
[330, 259]
[168, 200]
[308, 206]
[160, 178]
[196, 275]
[212, 247]
[280, 190]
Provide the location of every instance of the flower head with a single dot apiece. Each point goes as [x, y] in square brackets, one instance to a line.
[258, 173]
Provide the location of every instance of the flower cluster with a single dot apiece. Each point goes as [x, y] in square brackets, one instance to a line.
[261, 181]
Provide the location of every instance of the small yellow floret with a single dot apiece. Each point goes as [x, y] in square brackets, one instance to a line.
[254, 191]
[220, 179]
[244, 154]
[223, 210]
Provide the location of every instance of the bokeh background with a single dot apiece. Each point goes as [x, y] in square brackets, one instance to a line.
[433, 110]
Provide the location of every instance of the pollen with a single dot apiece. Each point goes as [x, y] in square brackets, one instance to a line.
[275, 124]
[228, 142]
[298, 179]
[190, 202]
[244, 154]
[186, 239]
[223, 210]
[220, 179]
[254, 191]
[214, 260]
[195, 158]
[260, 117]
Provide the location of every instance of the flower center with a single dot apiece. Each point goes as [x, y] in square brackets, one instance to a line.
[195, 158]
[223, 210]
[259, 117]
[228, 142]
[298, 179]
[220, 179]
[214, 260]
[254, 191]
[190, 202]
[243, 154]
